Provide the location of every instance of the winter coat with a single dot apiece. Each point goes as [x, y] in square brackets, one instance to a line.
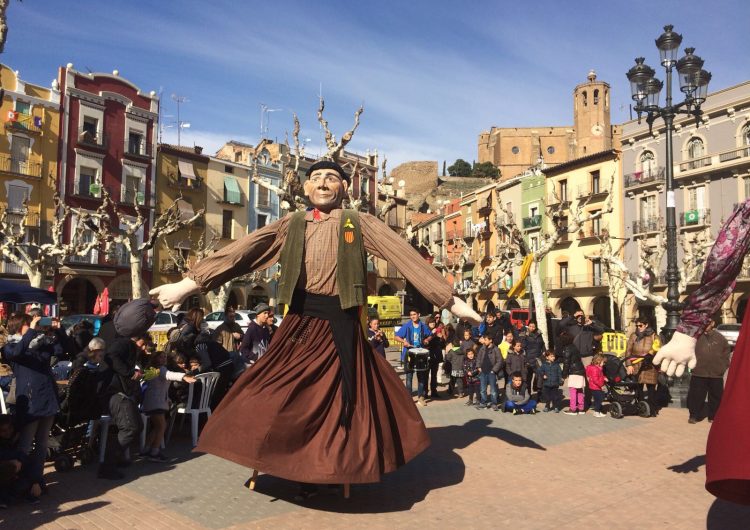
[554, 374]
[712, 354]
[118, 366]
[36, 390]
[519, 396]
[224, 335]
[515, 362]
[583, 335]
[643, 346]
[156, 388]
[456, 358]
[493, 353]
[466, 345]
[572, 362]
[496, 330]
[533, 345]
[436, 346]
[595, 377]
[471, 370]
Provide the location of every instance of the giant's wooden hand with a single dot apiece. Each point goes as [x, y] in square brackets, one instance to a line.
[676, 355]
[462, 310]
[171, 295]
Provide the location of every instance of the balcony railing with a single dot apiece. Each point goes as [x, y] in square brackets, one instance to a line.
[89, 138]
[11, 268]
[576, 282]
[651, 224]
[20, 167]
[25, 123]
[534, 221]
[591, 234]
[696, 163]
[554, 200]
[695, 218]
[640, 178]
[734, 154]
[140, 148]
[600, 190]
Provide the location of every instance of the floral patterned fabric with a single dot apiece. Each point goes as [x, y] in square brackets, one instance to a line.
[720, 273]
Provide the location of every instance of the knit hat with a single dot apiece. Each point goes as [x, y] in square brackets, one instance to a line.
[134, 318]
[261, 307]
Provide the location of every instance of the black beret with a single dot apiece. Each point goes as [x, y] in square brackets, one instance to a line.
[134, 318]
[328, 164]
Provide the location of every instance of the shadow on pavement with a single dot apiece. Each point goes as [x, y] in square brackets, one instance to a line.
[724, 515]
[79, 484]
[438, 467]
[689, 466]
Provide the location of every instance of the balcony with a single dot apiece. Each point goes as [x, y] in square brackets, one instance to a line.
[452, 234]
[552, 200]
[469, 235]
[696, 163]
[138, 149]
[25, 123]
[694, 218]
[11, 268]
[737, 156]
[92, 138]
[644, 226]
[644, 178]
[564, 239]
[734, 154]
[594, 193]
[533, 222]
[20, 167]
[591, 235]
[183, 183]
[577, 282]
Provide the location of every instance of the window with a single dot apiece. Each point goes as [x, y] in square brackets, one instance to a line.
[585, 96]
[17, 195]
[136, 146]
[232, 193]
[262, 220]
[562, 228]
[226, 224]
[533, 211]
[596, 224]
[92, 256]
[745, 135]
[596, 96]
[468, 221]
[238, 156]
[648, 208]
[695, 148]
[564, 190]
[595, 182]
[87, 177]
[647, 163]
[515, 150]
[19, 158]
[23, 108]
[596, 266]
[90, 127]
[697, 198]
[534, 243]
[132, 184]
[551, 150]
[263, 196]
[563, 273]
[228, 169]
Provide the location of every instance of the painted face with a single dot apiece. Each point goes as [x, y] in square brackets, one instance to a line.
[326, 189]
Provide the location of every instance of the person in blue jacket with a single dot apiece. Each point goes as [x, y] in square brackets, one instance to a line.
[414, 334]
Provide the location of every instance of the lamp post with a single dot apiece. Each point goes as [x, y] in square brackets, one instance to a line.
[645, 90]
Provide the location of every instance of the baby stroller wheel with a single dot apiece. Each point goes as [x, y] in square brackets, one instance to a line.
[63, 463]
[644, 409]
[615, 410]
[87, 455]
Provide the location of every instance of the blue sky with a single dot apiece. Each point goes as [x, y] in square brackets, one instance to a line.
[432, 75]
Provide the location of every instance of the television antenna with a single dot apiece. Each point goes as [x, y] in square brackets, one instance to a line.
[180, 124]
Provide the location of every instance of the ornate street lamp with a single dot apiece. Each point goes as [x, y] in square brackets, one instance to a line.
[645, 90]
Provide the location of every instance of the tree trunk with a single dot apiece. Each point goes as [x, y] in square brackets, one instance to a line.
[136, 281]
[218, 297]
[538, 294]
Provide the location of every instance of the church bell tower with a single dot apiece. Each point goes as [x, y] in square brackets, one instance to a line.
[593, 127]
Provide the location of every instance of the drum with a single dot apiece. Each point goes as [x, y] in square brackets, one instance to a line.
[419, 359]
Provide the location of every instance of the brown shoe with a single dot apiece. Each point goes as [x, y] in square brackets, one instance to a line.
[692, 420]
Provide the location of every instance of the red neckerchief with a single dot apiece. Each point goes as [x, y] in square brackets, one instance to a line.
[316, 214]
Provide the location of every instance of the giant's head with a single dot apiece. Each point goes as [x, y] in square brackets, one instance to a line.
[326, 185]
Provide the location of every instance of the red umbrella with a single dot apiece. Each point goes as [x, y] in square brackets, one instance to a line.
[98, 305]
[104, 302]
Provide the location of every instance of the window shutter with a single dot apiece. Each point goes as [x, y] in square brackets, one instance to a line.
[77, 181]
[94, 253]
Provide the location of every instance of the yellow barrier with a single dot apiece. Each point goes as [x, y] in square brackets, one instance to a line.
[160, 339]
[387, 327]
[614, 343]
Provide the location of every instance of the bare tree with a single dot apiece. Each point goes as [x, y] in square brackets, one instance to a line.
[387, 190]
[36, 259]
[4, 4]
[125, 237]
[615, 279]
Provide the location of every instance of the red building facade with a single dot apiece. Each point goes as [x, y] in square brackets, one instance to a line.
[108, 133]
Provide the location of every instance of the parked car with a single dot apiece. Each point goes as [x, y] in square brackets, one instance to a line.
[730, 332]
[166, 320]
[71, 320]
[242, 317]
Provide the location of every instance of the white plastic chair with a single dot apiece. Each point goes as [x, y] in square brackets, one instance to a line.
[208, 383]
[3, 407]
[144, 420]
[104, 422]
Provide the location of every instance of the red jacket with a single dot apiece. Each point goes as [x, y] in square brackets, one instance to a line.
[595, 377]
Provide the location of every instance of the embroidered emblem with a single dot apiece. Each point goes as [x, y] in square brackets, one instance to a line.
[349, 236]
[348, 224]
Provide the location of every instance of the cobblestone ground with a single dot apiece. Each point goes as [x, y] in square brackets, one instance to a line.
[483, 468]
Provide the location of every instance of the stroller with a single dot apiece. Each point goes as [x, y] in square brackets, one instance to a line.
[622, 390]
[69, 437]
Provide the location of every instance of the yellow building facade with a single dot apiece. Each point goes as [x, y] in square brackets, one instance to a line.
[28, 157]
[575, 280]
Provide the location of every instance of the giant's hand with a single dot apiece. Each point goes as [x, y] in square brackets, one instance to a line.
[171, 295]
[462, 310]
[676, 354]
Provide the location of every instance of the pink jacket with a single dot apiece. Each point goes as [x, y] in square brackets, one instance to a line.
[595, 377]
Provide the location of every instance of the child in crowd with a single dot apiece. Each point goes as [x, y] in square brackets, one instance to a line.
[575, 372]
[518, 398]
[550, 374]
[156, 403]
[467, 343]
[456, 358]
[471, 375]
[515, 361]
[14, 466]
[596, 380]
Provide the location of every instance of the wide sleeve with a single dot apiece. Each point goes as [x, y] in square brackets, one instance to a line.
[723, 265]
[384, 243]
[255, 251]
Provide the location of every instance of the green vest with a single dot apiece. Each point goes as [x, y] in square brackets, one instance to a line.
[351, 261]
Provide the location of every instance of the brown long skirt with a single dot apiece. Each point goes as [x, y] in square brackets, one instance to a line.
[281, 417]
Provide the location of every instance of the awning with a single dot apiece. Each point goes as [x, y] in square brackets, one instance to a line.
[186, 169]
[19, 293]
[232, 192]
[186, 210]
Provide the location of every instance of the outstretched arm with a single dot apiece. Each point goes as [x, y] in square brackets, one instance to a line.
[723, 265]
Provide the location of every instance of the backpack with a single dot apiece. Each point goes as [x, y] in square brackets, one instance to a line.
[173, 336]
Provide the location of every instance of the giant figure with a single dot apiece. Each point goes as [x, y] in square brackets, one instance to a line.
[319, 407]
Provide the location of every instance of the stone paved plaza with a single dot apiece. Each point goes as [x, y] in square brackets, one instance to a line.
[483, 468]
